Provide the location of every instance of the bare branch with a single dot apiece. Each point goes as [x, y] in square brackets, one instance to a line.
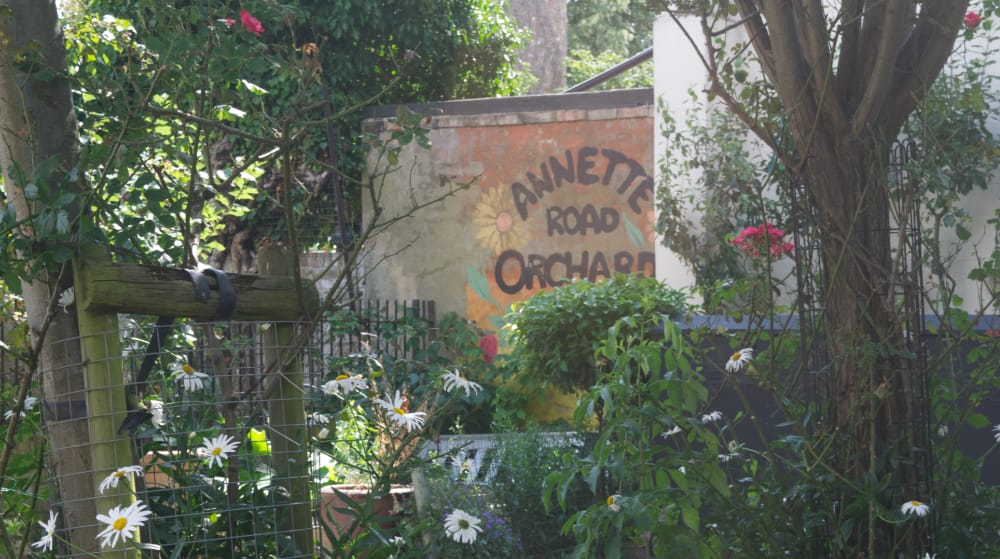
[790, 72]
[850, 45]
[894, 21]
[188, 117]
[922, 57]
[759, 36]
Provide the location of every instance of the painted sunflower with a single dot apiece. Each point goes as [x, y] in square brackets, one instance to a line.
[496, 221]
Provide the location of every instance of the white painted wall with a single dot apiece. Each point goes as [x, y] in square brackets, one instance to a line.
[676, 70]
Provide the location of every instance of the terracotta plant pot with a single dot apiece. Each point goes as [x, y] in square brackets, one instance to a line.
[334, 520]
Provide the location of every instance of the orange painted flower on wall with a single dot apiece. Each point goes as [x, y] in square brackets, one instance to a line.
[495, 220]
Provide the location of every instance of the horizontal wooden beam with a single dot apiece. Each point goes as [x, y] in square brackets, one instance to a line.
[105, 287]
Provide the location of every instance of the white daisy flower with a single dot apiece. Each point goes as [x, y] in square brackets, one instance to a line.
[454, 379]
[711, 417]
[112, 480]
[29, 404]
[317, 418]
[67, 298]
[191, 378]
[996, 428]
[667, 434]
[323, 433]
[929, 556]
[122, 523]
[739, 359]
[682, 470]
[218, 449]
[344, 384]
[45, 542]
[915, 507]
[462, 526]
[942, 431]
[613, 503]
[394, 409]
[156, 409]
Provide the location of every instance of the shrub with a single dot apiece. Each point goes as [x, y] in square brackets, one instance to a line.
[555, 332]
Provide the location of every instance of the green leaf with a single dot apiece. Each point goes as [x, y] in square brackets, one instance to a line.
[690, 516]
[978, 421]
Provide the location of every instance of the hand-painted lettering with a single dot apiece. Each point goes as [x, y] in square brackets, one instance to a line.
[556, 269]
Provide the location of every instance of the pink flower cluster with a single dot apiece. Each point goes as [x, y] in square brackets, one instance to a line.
[972, 20]
[764, 238]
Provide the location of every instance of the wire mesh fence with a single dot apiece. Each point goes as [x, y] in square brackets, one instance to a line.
[221, 435]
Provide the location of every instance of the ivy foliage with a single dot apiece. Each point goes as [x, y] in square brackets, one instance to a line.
[556, 332]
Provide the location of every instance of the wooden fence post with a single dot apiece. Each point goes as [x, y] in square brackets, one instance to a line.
[286, 411]
[105, 396]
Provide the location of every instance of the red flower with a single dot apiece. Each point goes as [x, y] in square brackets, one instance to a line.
[972, 20]
[752, 240]
[251, 23]
[488, 343]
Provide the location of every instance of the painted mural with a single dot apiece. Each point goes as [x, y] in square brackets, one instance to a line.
[576, 203]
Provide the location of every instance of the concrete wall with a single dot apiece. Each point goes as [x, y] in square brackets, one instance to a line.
[561, 187]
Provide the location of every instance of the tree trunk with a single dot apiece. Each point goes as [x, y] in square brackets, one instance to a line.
[37, 124]
[868, 392]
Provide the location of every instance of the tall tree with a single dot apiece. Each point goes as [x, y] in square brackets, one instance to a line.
[837, 80]
[602, 33]
[38, 151]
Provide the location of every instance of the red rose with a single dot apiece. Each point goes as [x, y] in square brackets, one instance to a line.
[972, 20]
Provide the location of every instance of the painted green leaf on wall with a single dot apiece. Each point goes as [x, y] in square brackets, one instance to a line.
[634, 233]
[479, 284]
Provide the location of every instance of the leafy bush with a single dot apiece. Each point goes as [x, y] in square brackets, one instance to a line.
[555, 332]
[523, 463]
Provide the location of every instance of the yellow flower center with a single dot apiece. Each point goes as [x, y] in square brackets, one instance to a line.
[119, 473]
[915, 503]
[399, 411]
[216, 451]
[187, 369]
[736, 356]
[611, 500]
[343, 377]
[463, 524]
[120, 523]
